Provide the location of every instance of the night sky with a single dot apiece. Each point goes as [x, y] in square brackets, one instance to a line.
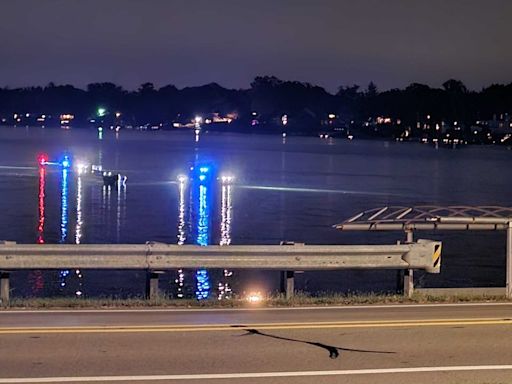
[194, 42]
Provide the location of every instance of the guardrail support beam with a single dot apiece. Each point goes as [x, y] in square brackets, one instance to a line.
[288, 283]
[5, 287]
[152, 290]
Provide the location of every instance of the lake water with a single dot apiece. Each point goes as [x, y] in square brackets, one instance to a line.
[292, 189]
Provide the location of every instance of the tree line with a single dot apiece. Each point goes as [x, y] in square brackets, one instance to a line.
[267, 99]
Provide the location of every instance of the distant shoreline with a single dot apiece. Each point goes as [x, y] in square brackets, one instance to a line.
[282, 134]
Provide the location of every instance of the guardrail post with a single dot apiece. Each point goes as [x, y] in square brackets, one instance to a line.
[408, 282]
[409, 273]
[4, 288]
[152, 290]
[405, 278]
[509, 261]
[288, 283]
[409, 236]
[288, 277]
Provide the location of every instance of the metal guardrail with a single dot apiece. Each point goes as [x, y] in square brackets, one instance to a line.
[165, 256]
[424, 254]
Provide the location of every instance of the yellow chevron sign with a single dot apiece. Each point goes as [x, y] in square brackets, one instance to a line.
[436, 256]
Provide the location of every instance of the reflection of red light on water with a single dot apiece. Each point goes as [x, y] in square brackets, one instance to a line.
[36, 278]
[42, 159]
[40, 227]
[36, 281]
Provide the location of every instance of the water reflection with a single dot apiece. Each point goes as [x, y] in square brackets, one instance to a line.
[106, 191]
[64, 206]
[120, 208]
[224, 288]
[196, 200]
[42, 182]
[200, 192]
[79, 217]
[182, 234]
[121, 197]
[203, 233]
[35, 278]
[226, 208]
[203, 221]
[63, 274]
[78, 229]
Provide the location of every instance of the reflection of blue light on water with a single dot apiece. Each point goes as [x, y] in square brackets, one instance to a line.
[200, 188]
[62, 277]
[203, 284]
[66, 162]
[203, 280]
[203, 225]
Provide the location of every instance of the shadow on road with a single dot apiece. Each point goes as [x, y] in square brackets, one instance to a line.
[334, 352]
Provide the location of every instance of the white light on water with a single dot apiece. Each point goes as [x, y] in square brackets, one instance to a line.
[181, 222]
[226, 179]
[81, 168]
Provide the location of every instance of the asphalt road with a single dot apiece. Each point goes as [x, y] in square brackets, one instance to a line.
[379, 344]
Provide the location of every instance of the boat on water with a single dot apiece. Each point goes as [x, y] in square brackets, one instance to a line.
[111, 179]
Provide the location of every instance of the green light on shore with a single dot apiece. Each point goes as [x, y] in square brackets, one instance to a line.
[101, 112]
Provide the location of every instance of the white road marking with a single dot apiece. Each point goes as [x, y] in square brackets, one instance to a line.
[218, 376]
[344, 307]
